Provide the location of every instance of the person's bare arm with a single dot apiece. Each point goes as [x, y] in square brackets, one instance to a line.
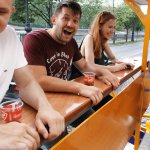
[54, 84]
[109, 52]
[32, 94]
[87, 49]
[49, 83]
[18, 136]
[119, 64]
[88, 52]
[102, 74]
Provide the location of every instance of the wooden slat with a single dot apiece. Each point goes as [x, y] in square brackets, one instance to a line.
[112, 125]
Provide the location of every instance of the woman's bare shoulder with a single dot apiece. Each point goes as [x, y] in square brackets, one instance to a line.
[88, 37]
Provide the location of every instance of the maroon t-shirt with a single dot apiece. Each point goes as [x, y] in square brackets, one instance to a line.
[41, 49]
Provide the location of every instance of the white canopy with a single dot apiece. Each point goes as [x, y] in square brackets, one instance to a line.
[141, 2]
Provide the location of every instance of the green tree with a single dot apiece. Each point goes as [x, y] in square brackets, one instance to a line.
[89, 9]
[124, 15]
[138, 25]
[20, 12]
[127, 19]
[38, 10]
[42, 9]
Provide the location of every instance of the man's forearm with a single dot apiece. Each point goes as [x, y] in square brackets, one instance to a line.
[99, 70]
[33, 95]
[54, 84]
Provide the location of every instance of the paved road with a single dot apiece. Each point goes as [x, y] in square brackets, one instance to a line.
[127, 50]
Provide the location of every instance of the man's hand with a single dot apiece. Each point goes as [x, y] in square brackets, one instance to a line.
[18, 136]
[91, 92]
[109, 79]
[47, 116]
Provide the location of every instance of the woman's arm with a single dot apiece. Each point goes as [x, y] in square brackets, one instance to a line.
[87, 49]
[88, 52]
[110, 53]
[120, 65]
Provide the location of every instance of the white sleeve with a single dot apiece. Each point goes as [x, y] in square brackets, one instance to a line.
[21, 60]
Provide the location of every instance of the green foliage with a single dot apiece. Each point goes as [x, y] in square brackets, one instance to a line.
[42, 9]
[138, 24]
[126, 18]
[39, 10]
[123, 13]
[20, 11]
[89, 9]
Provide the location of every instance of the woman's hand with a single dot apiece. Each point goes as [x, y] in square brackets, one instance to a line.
[121, 66]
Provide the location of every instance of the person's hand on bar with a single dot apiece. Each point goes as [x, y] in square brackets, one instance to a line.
[92, 92]
[109, 79]
[19, 137]
[47, 116]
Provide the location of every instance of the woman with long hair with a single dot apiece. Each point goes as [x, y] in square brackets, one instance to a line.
[95, 43]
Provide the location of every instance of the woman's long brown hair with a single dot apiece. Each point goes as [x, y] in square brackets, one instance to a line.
[96, 25]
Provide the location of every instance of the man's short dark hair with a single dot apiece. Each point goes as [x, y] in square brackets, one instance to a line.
[74, 6]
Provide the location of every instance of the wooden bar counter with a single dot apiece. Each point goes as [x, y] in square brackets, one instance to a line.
[112, 125]
[72, 106]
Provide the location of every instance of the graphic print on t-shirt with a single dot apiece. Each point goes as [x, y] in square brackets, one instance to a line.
[59, 65]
